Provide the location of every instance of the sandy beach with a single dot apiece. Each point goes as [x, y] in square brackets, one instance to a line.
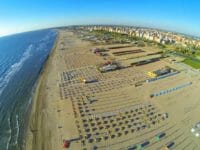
[112, 113]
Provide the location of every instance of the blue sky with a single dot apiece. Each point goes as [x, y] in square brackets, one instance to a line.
[24, 15]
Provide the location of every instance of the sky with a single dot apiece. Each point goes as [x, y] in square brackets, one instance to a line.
[25, 15]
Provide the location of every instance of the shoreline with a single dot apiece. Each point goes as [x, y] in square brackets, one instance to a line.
[50, 115]
[32, 121]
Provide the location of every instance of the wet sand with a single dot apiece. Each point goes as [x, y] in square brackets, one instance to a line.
[52, 118]
[42, 124]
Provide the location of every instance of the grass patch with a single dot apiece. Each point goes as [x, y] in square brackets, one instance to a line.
[193, 63]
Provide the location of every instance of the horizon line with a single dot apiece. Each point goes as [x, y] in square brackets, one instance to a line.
[91, 24]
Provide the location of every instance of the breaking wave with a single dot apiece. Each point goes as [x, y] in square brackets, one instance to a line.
[14, 68]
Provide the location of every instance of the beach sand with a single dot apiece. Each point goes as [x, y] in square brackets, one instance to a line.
[52, 116]
[43, 131]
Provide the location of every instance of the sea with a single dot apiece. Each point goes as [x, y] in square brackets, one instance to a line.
[22, 58]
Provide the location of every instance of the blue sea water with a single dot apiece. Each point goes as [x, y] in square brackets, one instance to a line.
[22, 57]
